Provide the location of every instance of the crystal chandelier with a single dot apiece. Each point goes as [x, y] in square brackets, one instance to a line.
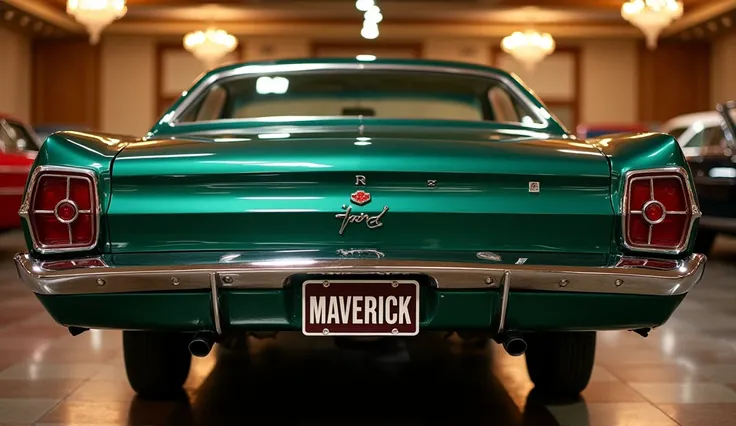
[651, 16]
[528, 47]
[210, 46]
[96, 14]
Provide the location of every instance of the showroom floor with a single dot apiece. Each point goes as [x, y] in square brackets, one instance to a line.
[684, 373]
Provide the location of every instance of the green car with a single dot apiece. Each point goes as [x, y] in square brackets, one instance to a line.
[354, 199]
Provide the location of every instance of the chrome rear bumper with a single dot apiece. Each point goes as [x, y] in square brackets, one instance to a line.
[67, 277]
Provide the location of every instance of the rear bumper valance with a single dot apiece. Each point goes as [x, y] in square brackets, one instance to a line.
[636, 276]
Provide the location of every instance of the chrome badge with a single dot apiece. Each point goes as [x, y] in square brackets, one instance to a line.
[360, 197]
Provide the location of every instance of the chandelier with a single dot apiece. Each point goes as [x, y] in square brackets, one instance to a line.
[528, 47]
[96, 14]
[210, 46]
[651, 16]
[371, 18]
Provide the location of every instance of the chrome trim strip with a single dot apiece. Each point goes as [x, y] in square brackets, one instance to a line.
[25, 208]
[215, 304]
[247, 69]
[683, 276]
[632, 175]
[506, 283]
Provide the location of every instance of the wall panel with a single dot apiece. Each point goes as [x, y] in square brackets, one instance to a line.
[15, 74]
[268, 49]
[176, 70]
[128, 85]
[66, 83]
[472, 51]
[556, 80]
[674, 79]
[609, 82]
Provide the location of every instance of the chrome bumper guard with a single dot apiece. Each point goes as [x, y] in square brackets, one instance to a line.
[78, 277]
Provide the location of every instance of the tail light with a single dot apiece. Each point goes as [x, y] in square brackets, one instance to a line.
[61, 209]
[658, 210]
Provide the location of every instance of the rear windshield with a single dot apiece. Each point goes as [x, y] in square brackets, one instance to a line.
[381, 94]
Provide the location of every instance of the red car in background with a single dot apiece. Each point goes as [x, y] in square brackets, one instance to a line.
[18, 148]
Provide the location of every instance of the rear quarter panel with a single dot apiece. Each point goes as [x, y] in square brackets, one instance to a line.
[638, 151]
[86, 151]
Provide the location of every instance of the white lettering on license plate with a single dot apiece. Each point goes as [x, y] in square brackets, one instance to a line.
[359, 310]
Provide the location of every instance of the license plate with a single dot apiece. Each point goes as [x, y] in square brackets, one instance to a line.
[360, 308]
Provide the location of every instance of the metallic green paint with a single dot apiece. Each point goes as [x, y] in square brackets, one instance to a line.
[280, 310]
[638, 151]
[284, 192]
[203, 192]
[534, 311]
[182, 311]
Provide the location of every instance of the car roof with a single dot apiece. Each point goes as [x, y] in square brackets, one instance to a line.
[707, 118]
[388, 61]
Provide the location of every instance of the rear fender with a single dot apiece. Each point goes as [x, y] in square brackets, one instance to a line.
[638, 151]
[91, 151]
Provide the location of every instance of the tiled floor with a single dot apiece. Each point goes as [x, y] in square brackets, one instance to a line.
[684, 373]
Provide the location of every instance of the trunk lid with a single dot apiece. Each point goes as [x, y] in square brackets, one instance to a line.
[281, 190]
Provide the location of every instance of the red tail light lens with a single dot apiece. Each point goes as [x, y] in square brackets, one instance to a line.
[61, 210]
[658, 210]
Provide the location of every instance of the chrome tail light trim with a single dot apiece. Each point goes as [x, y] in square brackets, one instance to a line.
[693, 208]
[26, 209]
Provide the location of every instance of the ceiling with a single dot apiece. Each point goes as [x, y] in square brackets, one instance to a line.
[403, 19]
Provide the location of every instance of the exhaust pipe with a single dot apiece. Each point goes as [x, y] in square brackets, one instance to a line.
[201, 344]
[513, 343]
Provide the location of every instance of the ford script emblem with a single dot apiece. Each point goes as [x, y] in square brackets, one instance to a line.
[349, 217]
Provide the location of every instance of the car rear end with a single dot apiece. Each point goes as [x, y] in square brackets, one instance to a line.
[359, 226]
[483, 235]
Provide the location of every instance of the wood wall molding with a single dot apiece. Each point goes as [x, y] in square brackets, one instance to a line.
[367, 47]
[66, 83]
[393, 30]
[674, 79]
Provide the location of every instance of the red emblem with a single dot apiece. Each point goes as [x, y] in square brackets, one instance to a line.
[360, 197]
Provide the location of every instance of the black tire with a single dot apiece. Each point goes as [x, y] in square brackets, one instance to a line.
[560, 364]
[157, 364]
[704, 241]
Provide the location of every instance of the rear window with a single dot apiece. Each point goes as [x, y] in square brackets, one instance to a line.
[381, 94]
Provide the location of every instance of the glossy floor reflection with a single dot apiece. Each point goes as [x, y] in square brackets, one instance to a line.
[684, 373]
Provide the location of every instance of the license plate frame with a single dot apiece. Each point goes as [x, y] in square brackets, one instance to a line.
[399, 287]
